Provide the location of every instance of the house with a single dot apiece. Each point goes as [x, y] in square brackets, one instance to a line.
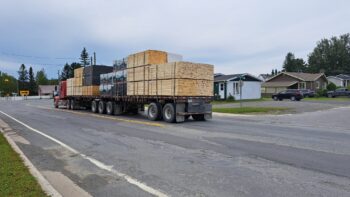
[226, 85]
[294, 80]
[342, 80]
[264, 77]
[46, 90]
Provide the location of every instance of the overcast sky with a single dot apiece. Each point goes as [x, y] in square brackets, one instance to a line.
[250, 36]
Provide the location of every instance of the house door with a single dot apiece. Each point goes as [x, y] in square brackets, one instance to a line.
[222, 90]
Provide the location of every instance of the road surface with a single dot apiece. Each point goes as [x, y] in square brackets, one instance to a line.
[304, 154]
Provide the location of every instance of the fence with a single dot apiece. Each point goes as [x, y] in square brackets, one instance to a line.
[20, 98]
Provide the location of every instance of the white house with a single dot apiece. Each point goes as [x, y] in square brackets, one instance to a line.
[340, 80]
[226, 85]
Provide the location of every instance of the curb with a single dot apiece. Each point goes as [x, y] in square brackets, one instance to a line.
[45, 185]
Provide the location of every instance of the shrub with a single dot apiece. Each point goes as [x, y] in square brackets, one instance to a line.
[331, 87]
[321, 93]
[230, 98]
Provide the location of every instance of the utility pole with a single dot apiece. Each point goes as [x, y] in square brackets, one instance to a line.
[91, 61]
[94, 58]
[241, 78]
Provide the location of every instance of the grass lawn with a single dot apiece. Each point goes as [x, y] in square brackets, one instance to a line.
[327, 99]
[237, 101]
[15, 179]
[247, 110]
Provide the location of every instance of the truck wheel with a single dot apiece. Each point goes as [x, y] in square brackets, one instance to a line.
[102, 107]
[154, 111]
[198, 117]
[68, 104]
[118, 109]
[73, 105]
[109, 108]
[94, 106]
[169, 113]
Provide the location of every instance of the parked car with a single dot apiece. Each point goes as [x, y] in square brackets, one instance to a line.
[338, 92]
[292, 94]
[307, 93]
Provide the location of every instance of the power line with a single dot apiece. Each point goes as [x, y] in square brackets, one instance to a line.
[38, 57]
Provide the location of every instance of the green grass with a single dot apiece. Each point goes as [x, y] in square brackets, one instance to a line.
[327, 99]
[15, 179]
[248, 110]
[237, 101]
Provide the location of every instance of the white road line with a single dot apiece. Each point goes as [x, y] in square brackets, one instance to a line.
[97, 163]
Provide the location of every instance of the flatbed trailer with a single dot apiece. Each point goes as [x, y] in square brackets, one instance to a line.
[168, 108]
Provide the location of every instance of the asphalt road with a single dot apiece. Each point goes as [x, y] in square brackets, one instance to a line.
[305, 154]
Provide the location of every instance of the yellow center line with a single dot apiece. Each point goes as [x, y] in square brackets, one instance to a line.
[102, 116]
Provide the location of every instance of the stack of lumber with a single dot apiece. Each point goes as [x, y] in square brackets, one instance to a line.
[75, 84]
[91, 91]
[171, 79]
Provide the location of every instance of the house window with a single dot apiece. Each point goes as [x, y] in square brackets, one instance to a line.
[236, 88]
[221, 86]
[317, 85]
[302, 85]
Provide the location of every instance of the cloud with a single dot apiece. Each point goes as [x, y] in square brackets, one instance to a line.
[236, 36]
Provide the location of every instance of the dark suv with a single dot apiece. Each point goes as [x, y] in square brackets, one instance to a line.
[338, 92]
[307, 93]
[292, 94]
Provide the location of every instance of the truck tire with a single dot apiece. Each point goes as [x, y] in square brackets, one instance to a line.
[109, 108]
[154, 111]
[102, 107]
[94, 106]
[169, 113]
[68, 104]
[198, 117]
[73, 105]
[118, 109]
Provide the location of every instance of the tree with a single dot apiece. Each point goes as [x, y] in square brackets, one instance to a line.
[41, 78]
[8, 84]
[65, 74]
[331, 55]
[22, 78]
[84, 57]
[273, 72]
[292, 64]
[32, 84]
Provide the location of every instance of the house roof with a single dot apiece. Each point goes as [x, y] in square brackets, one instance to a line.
[46, 89]
[279, 84]
[233, 76]
[344, 76]
[265, 76]
[301, 76]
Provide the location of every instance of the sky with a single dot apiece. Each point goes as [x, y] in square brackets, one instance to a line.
[251, 36]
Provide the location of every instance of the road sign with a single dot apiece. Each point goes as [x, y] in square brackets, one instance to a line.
[24, 92]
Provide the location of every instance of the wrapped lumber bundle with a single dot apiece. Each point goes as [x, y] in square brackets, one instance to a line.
[92, 74]
[75, 85]
[91, 90]
[151, 57]
[171, 79]
[113, 84]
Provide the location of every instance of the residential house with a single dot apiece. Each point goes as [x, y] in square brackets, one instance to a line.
[294, 80]
[46, 90]
[342, 80]
[226, 85]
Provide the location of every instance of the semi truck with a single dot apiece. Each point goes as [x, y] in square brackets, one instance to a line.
[170, 109]
[156, 86]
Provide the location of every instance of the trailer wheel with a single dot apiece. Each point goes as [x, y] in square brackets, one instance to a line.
[94, 106]
[169, 113]
[68, 104]
[109, 108]
[198, 117]
[118, 109]
[154, 111]
[102, 107]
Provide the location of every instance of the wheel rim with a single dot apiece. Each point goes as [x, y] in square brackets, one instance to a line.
[152, 111]
[168, 113]
[293, 98]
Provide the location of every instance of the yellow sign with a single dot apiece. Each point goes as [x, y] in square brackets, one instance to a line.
[24, 92]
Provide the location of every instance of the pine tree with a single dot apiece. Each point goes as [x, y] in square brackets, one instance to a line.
[84, 57]
[32, 85]
[22, 78]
